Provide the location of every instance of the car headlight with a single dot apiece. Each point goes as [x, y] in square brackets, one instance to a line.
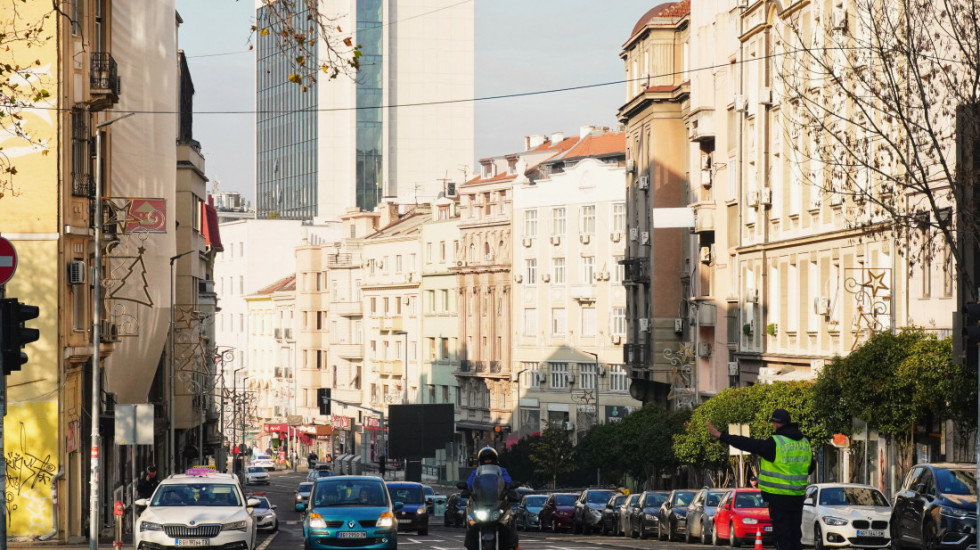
[596, 513]
[420, 511]
[150, 526]
[386, 520]
[235, 526]
[298, 497]
[953, 512]
[532, 515]
[749, 521]
[831, 520]
[481, 515]
[317, 522]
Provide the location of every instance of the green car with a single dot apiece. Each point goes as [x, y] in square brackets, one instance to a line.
[348, 511]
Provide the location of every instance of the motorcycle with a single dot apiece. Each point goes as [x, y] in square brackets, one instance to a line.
[488, 510]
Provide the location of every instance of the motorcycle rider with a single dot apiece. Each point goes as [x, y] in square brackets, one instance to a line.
[488, 455]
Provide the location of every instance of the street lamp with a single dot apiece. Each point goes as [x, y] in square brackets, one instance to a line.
[234, 416]
[95, 512]
[173, 365]
[405, 373]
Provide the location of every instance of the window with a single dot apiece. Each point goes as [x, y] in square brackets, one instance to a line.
[442, 251]
[529, 376]
[530, 321]
[428, 253]
[530, 223]
[588, 322]
[618, 321]
[559, 375]
[586, 224]
[444, 302]
[385, 265]
[558, 221]
[432, 349]
[619, 381]
[559, 271]
[620, 271]
[588, 269]
[531, 270]
[444, 349]
[558, 321]
[619, 217]
[588, 376]
[411, 262]
[430, 301]
[398, 263]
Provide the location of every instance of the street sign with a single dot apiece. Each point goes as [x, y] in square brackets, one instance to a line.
[8, 260]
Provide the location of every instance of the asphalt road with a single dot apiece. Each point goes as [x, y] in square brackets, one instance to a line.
[281, 492]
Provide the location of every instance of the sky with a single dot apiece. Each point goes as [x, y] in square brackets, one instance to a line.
[522, 46]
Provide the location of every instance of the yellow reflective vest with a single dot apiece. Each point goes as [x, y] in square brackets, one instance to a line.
[788, 474]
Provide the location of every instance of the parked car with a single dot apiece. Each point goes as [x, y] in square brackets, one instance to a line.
[623, 527]
[609, 523]
[412, 516]
[936, 507]
[741, 515]
[700, 513]
[845, 514]
[343, 508]
[264, 461]
[672, 516]
[556, 514]
[256, 475]
[527, 515]
[455, 511]
[588, 509]
[302, 495]
[644, 518]
[521, 493]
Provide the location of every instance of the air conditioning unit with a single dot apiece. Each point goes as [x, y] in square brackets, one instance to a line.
[754, 198]
[110, 332]
[765, 197]
[570, 379]
[527, 242]
[741, 102]
[752, 295]
[643, 182]
[616, 339]
[615, 236]
[584, 238]
[634, 233]
[556, 240]
[644, 324]
[518, 278]
[545, 277]
[630, 166]
[76, 272]
[733, 368]
[705, 161]
[604, 276]
[704, 349]
[706, 178]
[678, 325]
[765, 96]
[460, 263]
[705, 254]
[821, 306]
[569, 426]
[645, 237]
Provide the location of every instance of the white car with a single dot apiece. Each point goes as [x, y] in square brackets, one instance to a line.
[256, 475]
[264, 461]
[199, 508]
[845, 514]
[265, 513]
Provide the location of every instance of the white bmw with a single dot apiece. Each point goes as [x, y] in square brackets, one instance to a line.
[845, 514]
[199, 508]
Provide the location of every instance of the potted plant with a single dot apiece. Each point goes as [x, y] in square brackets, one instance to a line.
[772, 329]
[747, 329]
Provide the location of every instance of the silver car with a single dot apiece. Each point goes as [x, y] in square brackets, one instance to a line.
[624, 513]
[256, 475]
[701, 515]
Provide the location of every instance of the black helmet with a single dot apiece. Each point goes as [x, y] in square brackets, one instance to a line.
[487, 453]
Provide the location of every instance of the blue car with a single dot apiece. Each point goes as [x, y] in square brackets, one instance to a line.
[350, 511]
[413, 515]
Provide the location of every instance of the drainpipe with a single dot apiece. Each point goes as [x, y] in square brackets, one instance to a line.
[54, 505]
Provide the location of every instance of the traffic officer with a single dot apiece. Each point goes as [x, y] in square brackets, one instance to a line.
[786, 462]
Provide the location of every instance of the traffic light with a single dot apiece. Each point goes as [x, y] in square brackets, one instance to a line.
[15, 335]
[323, 398]
[970, 332]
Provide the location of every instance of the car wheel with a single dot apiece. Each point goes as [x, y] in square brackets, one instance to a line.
[704, 534]
[445, 521]
[586, 528]
[633, 533]
[732, 539]
[897, 543]
[671, 531]
[275, 527]
[930, 536]
[817, 537]
[714, 538]
[660, 531]
[687, 535]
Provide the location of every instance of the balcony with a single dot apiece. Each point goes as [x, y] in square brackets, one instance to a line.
[637, 271]
[346, 309]
[390, 324]
[582, 293]
[103, 81]
[339, 260]
[635, 355]
[704, 218]
[701, 125]
[391, 368]
[83, 186]
[465, 366]
[348, 351]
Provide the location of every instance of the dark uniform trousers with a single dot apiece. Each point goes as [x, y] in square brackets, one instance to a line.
[786, 513]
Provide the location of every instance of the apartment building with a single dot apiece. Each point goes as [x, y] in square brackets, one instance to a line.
[658, 256]
[569, 300]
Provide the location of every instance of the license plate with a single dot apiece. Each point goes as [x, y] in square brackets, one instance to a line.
[879, 533]
[767, 528]
[352, 535]
[192, 542]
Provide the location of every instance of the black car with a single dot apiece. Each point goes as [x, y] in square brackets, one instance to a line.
[588, 509]
[644, 518]
[455, 511]
[672, 516]
[527, 516]
[609, 523]
[936, 508]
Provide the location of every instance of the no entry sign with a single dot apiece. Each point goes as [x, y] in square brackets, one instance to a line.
[8, 260]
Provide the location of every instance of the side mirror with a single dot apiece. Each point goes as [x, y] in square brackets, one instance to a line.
[301, 507]
[275, 506]
[252, 502]
[920, 487]
[398, 506]
[808, 501]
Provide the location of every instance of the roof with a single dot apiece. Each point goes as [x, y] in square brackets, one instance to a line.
[408, 224]
[286, 283]
[607, 143]
[667, 10]
[557, 149]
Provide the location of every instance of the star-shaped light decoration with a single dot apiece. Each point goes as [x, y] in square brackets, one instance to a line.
[875, 282]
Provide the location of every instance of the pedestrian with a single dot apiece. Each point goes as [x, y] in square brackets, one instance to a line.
[148, 483]
[382, 466]
[311, 460]
[786, 462]
[753, 482]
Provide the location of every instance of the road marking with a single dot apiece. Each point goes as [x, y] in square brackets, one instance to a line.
[265, 544]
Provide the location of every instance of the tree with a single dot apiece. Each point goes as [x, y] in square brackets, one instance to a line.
[551, 454]
[517, 460]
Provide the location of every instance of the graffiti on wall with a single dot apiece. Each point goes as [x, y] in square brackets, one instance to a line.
[30, 443]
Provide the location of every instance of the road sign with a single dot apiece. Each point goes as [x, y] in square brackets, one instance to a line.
[8, 260]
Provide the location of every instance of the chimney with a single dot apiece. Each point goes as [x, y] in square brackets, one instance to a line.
[557, 138]
[534, 141]
[389, 213]
[585, 130]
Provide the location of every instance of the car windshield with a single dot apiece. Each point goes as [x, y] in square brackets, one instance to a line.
[263, 457]
[749, 500]
[711, 499]
[956, 482]
[202, 494]
[263, 503]
[407, 495]
[682, 498]
[346, 492]
[256, 469]
[633, 500]
[654, 500]
[534, 502]
[599, 497]
[324, 473]
[304, 487]
[852, 496]
[618, 501]
[428, 490]
[565, 500]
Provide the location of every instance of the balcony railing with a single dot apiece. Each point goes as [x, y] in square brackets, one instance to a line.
[82, 185]
[338, 260]
[635, 355]
[637, 271]
[104, 81]
[466, 365]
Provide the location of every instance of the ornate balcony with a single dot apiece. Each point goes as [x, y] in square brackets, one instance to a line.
[637, 271]
[103, 81]
[635, 355]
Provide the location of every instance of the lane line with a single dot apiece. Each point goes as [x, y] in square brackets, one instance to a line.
[265, 544]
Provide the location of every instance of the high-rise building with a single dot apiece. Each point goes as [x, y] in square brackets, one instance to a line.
[391, 130]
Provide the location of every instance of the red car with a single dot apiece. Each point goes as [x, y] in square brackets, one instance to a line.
[556, 514]
[741, 514]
